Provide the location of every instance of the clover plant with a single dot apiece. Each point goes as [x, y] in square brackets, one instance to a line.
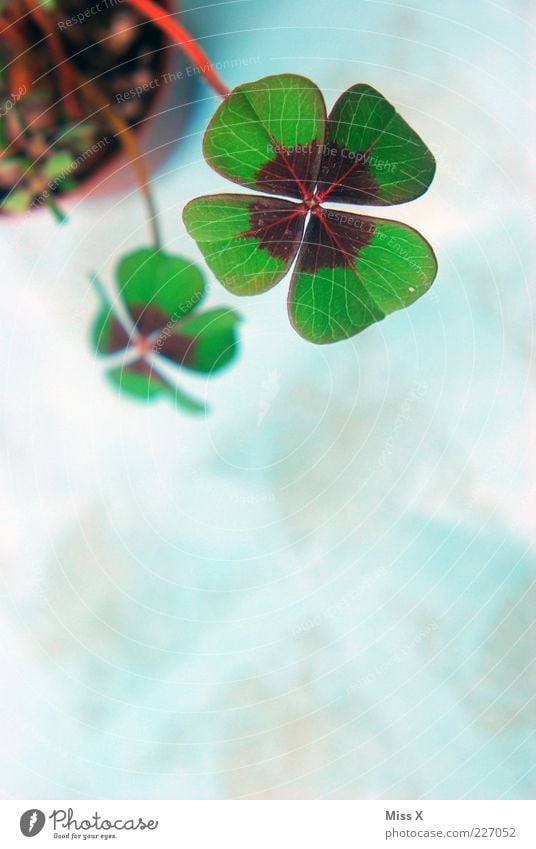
[350, 270]
[158, 322]
[306, 171]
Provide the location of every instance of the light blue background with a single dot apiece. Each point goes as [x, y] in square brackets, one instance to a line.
[325, 589]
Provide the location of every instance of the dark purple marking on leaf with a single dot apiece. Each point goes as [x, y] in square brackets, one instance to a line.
[147, 318]
[114, 338]
[292, 171]
[334, 239]
[177, 347]
[278, 225]
[141, 367]
[345, 175]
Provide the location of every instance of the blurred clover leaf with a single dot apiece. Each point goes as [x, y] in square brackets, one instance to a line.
[156, 322]
[351, 270]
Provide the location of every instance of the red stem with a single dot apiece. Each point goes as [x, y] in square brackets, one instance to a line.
[323, 195]
[333, 237]
[154, 12]
[292, 171]
[11, 36]
[290, 217]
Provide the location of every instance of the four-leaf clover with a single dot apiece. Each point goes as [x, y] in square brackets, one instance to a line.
[350, 270]
[156, 322]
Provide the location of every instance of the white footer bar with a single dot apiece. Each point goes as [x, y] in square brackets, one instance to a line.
[270, 824]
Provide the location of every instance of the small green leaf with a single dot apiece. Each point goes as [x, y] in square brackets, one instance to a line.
[154, 283]
[268, 135]
[107, 334]
[17, 201]
[213, 342]
[58, 165]
[339, 291]
[4, 137]
[248, 242]
[141, 383]
[371, 154]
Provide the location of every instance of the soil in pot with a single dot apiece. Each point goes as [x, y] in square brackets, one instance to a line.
[55, 129]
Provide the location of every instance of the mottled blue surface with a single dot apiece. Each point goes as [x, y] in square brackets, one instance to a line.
[326, 588]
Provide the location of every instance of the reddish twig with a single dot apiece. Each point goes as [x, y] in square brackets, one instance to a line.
[167, 23]
[127, 139]
[10, 35]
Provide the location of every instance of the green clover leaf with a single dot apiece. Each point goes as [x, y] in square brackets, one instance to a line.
[350, 270]
[156, 322]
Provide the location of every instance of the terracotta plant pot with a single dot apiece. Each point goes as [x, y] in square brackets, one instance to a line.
[57, 138]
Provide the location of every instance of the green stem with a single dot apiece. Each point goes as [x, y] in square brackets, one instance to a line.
[175, 30]
[58, 213]
[119, 314]
[152, 218]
